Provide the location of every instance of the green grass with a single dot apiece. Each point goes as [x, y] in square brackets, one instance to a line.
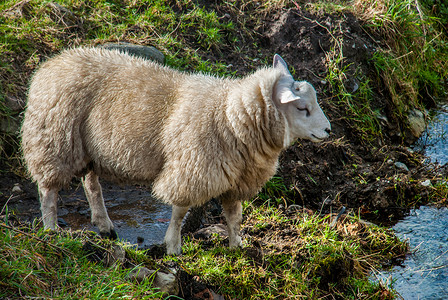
[415, 64]
[357, 102]
[302, 256]
[412, 64]
[38, 263]
[285, 255]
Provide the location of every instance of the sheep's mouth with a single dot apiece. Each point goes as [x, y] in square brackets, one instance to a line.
[318, 139]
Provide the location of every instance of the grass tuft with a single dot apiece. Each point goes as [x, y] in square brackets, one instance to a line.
[293, 256]
[39, 263]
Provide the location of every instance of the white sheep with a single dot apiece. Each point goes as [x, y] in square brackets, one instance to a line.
[94, 113]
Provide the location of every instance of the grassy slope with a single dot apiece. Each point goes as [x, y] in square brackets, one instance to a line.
[412, 66]
[35, 263]
[309, 259]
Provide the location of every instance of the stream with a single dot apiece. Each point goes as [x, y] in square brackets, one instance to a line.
[137, 216]
[424, 273]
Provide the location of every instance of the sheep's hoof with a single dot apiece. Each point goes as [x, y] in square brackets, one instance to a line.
[112, 235]
[156, 251]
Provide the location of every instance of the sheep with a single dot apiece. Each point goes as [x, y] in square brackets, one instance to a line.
[94, 112]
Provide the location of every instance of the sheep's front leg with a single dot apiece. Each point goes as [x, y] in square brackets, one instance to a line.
[49, 206]
[94, 195]
[172, 236]
[233, 211]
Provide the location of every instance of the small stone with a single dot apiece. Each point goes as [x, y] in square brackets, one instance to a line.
[140, 274]
[21, 9]
[401, 166]
[426, 183]
[116, 255]
[294, 209]
[63, 16]
[140, 239]
[207, 232]
[167, 283]
[10, 125]
[417, 122]
[15, 104]
[84, 212]
[17, 189]
[410, 150]
[62, 222]
[149, 53]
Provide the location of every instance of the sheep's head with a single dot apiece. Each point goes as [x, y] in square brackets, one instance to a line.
[298, 102]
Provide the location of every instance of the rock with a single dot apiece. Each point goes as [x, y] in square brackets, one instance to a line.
[145, 52]
[17, 189]
[167, 283]
[401, 166]
[62, 222]
[426, 183]
[116, 255]
[194, 219]
[294, 209]
[15, 104]
[207, 232]
[383, 119]
[156, 250]
[417, 122]
[9, 125]
[140, 274]
[63, 16]
[21, 9]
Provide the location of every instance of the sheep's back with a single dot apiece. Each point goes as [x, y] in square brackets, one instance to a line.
[100, 107]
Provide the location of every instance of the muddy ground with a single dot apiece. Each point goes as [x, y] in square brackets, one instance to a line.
[377, 180]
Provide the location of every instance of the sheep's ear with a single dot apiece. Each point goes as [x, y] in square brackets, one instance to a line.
[288, 96]
[284, 93]
[280, 63]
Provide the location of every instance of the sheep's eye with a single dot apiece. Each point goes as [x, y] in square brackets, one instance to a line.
[296, 86]
[304, 109]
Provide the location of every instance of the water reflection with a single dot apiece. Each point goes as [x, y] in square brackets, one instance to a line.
[434, 141]
[425, 272]
[138, 217]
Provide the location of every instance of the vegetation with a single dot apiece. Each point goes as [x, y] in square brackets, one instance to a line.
[40, 264]
[414, 64]
[309, 258]
[301, 255]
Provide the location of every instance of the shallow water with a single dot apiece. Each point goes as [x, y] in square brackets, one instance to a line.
[434, 141]
[424, 273]
[138, 217]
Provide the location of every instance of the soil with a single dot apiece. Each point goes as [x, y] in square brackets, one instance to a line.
[368, 179]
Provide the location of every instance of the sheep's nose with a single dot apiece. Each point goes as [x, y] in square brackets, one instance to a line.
[328, 130]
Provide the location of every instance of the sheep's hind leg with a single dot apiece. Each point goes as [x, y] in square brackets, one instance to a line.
[49, 206]
[233, 212]
[94, 195]
[172, 236]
